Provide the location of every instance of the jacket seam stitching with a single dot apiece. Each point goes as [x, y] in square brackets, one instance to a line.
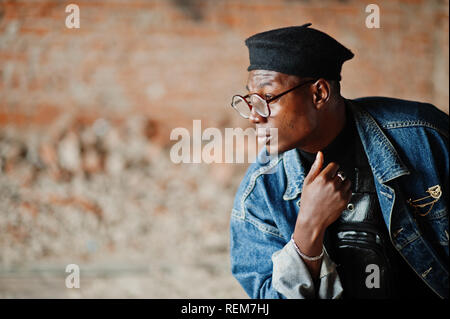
[417, 123]
[261, 226]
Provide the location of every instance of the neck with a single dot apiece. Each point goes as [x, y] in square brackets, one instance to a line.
[331, 123]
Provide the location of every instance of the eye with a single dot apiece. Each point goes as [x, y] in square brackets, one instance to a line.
[268, 96]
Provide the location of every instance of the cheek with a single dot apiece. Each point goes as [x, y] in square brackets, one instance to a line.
[295, 123]
[295, 128]
[283, 116]
[304, 118]
[284, 123]
[293, 120]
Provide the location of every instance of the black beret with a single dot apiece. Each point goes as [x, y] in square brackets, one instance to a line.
[298, 50]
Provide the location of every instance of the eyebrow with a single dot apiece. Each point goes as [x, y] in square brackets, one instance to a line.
[260, 86]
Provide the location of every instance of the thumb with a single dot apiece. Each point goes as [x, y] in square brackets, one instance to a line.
[315, 168]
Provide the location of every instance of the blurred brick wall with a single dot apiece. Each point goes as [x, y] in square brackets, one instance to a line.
[183, 59]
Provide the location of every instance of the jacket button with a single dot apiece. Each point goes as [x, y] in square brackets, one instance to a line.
[351, 207]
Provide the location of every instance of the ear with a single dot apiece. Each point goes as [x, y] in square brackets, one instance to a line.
[321, 92]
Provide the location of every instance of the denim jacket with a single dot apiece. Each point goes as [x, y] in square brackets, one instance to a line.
[406, 144]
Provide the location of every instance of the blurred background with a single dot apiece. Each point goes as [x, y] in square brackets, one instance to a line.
[86, 116]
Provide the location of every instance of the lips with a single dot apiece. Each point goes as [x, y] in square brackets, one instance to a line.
[262, 131]
[263, 135]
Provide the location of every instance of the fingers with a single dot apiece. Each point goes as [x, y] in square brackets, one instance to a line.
[330, 171]
[345, 185]
[342, 186]
[315, 168]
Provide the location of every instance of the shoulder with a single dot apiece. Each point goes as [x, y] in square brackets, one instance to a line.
[391, 113]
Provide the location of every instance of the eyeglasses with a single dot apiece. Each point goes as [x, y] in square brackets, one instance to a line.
[244, 104]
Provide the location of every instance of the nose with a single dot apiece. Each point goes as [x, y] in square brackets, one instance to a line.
[255, 118]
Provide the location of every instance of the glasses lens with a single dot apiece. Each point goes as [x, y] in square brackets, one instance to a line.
[241, 106]
[259, 104]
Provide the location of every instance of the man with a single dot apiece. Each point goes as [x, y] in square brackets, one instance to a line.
[355, 204]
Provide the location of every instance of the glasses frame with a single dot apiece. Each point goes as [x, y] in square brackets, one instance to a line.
[266, 100]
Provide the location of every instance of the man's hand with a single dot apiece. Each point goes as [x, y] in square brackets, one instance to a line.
[324, 197]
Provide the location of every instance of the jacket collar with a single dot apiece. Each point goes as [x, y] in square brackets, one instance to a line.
[383, 159]
[295, 174]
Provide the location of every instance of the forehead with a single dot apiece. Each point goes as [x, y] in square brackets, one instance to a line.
[257, 79]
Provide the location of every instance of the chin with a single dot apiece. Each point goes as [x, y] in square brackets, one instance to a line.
[274, 148]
